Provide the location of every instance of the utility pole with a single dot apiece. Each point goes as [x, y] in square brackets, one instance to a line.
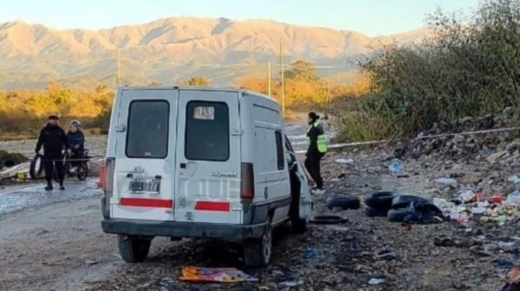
[328, 85]
[282, 81]
[119, 66]
[269, 78]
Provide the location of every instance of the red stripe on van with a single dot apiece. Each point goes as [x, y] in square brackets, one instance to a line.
[213, 206]
[144, 202]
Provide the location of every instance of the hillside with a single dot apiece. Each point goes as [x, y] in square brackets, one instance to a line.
[171, 50]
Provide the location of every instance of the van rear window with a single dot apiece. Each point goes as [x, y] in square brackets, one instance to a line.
[207, 131]
[147, 134]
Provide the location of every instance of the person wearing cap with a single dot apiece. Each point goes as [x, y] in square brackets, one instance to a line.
[53, 140]
[76, 141]
[316, 151]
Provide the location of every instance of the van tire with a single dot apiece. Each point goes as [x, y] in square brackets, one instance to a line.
[132, 249]
[257, 252]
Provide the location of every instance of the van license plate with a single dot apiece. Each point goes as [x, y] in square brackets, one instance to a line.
[141, 186]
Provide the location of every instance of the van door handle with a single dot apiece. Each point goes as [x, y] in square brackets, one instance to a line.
[183, 165]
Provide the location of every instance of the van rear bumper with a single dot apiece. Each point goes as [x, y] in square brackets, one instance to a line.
[183, 229]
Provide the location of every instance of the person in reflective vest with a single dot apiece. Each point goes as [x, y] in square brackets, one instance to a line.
[316, 150]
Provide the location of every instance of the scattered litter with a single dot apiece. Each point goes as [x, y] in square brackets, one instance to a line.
[514, 274]
[446, 181]
[291, 283]
[311, 252]
[375, 281]
[386, 256]
[216, 275]
[468, 196]
[515, 286]
[507, 246]
[396, 166]
[494, 157]
[514, 198]
[90, 262]
[478, 210]
[461, 218]
[345, 161]
[496, 199]
[514, 179]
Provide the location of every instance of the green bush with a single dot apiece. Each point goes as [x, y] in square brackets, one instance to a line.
[469, 68]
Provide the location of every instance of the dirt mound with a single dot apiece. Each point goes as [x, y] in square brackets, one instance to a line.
[461, 140]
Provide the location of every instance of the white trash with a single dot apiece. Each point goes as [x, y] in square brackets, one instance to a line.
[514, 198]
[345, 161]
[446, 181]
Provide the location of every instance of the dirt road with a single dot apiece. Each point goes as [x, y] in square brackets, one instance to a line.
[60, 246]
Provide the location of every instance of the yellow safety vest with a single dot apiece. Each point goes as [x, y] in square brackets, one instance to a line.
[322, 140]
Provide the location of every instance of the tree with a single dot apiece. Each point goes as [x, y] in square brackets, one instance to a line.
[198, 81]
[302, 70]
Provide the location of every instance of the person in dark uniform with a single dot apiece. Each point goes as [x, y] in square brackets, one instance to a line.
[316, 151]
[76, 141]
[53, 140]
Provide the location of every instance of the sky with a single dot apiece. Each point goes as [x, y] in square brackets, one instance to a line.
[373, 17]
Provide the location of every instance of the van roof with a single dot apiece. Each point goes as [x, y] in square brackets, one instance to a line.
[198, 88]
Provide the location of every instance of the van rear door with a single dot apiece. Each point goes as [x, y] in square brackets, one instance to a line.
[208, 157]
[145, 136]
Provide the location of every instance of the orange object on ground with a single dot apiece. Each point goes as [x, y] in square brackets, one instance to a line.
[215, 275]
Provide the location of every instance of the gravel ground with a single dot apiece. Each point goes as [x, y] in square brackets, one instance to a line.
[61, 247]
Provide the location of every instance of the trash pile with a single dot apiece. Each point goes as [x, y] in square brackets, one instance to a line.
[472, 204]
[514, 277]
[452, 139]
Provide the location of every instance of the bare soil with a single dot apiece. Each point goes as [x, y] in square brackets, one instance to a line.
[61, 246]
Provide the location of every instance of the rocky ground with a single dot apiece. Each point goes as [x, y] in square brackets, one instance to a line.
[61, 247]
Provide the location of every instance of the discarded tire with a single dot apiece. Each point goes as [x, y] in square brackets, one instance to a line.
[3, 154]
[344, 203]
[372, 212]
[403, 201]
[398, 215]
[417, 213]
[327, 219]
[36, 167]
[13, 159]
[381, 201]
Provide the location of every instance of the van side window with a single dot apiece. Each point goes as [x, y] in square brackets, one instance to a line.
[147, 135]
[279, 150]
[207, 131]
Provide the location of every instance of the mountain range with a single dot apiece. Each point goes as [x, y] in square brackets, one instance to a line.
[172, 50]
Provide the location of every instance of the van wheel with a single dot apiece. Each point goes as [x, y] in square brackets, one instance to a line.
[257, 252]
[133, 249]
[299, 226]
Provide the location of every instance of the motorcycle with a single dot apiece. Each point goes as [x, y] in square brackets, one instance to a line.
[71, 166]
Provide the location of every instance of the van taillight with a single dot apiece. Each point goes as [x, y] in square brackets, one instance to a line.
[108, 181]
[101, 176]
[247, 187]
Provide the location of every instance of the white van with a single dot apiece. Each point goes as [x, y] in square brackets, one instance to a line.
[195, 162]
